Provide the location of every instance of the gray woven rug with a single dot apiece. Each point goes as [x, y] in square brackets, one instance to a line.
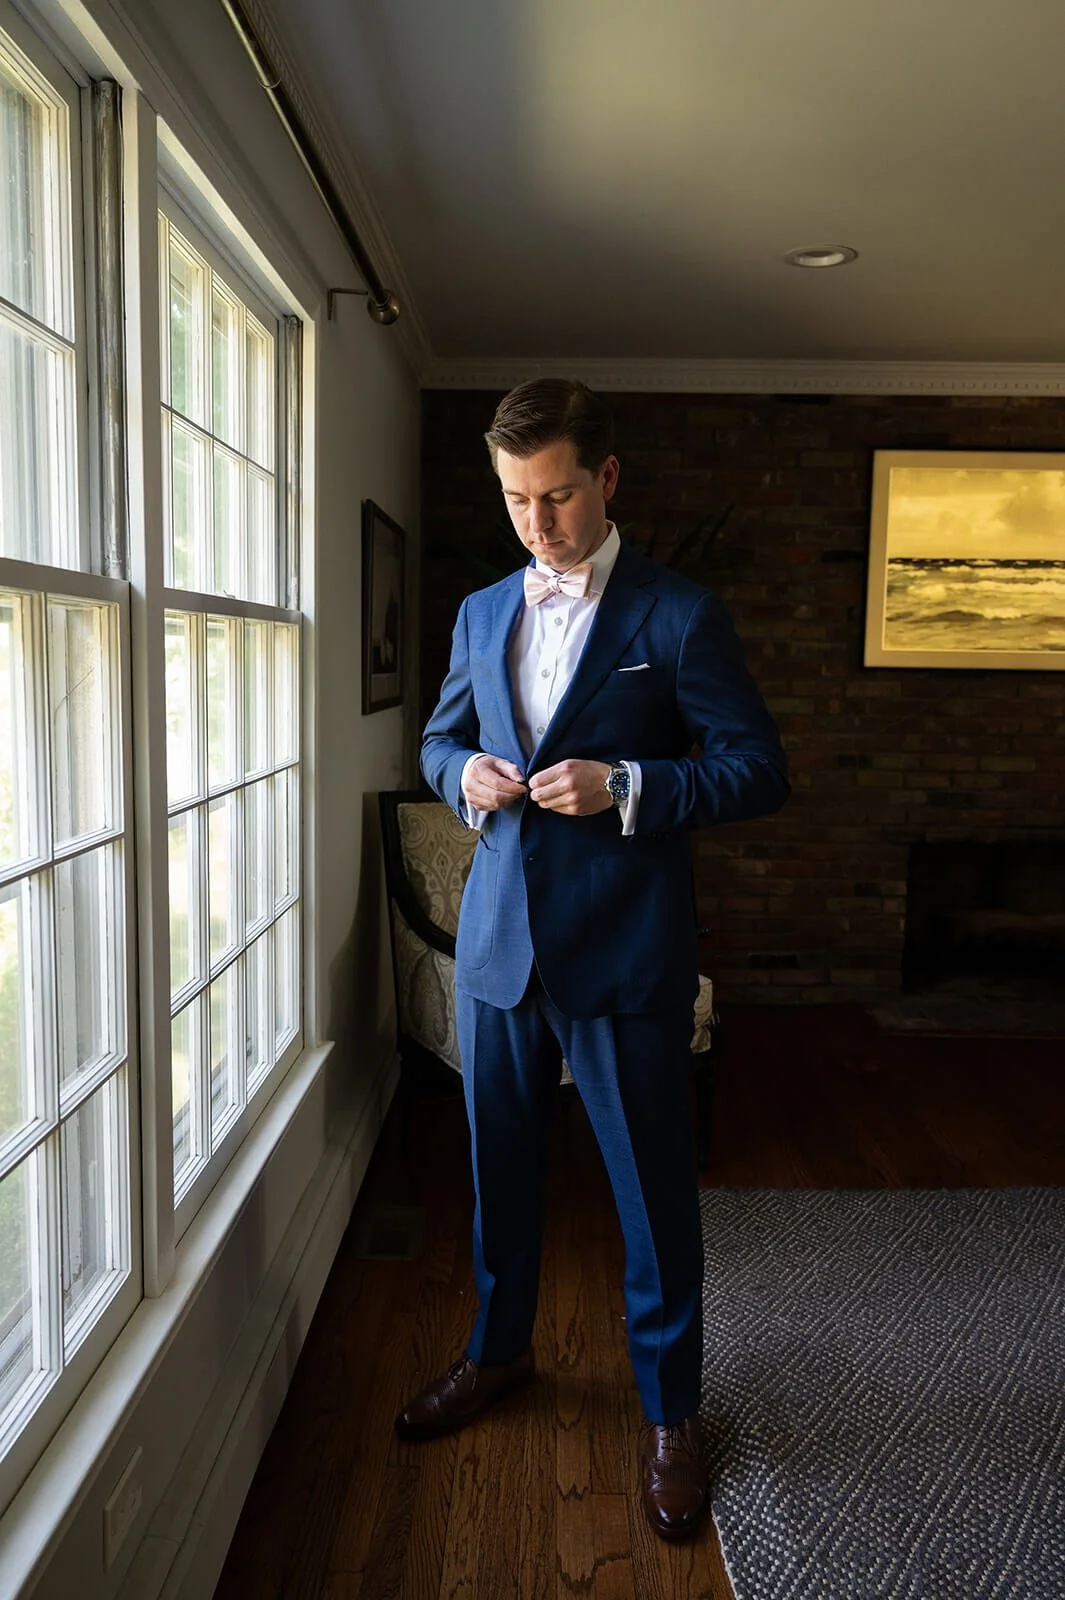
[884, 1392]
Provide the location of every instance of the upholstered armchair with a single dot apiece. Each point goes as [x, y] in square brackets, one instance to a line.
[428, 854]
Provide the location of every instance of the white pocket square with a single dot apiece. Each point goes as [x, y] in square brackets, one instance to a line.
[642, 666]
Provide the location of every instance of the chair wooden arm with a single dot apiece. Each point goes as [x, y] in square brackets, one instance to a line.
[396, 881]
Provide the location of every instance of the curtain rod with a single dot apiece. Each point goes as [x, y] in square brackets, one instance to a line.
[381, 303]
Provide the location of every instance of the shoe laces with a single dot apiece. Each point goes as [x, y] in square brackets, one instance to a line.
[675, 1437]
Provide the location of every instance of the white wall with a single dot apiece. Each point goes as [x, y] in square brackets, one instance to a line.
[211, 1359]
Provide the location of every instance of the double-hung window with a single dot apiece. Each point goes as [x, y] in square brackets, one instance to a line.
[232, 697]
[70, 1268]
[152, 1010]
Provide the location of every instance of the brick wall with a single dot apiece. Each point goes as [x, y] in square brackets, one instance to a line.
[808, 905]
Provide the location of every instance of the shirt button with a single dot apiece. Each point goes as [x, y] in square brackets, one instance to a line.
[540, 729]
[558, 622]
[545, 672]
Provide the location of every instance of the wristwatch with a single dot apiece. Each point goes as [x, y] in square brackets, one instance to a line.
[618, 784]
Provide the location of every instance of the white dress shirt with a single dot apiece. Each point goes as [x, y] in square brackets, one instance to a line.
[542, 657]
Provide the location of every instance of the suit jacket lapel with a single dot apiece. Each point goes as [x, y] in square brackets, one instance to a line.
[626, 601]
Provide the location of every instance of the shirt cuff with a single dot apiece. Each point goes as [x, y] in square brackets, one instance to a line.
[470, 814]
[632, 804]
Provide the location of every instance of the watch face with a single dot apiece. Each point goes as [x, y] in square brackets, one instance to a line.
[618, 784]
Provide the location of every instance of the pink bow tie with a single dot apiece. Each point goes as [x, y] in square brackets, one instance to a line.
[538, 585]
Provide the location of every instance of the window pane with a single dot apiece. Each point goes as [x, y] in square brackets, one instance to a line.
[227, 539]
[26, 1003]
[188, 302]
[286, 979]
[225, 381]
[223, 876]
[90, 941]
[223, 705]
[258, 854]
[261, 542]
[187, 963]
[259, 1008]
[38, 462]
[25, 1277]
[226, 350]
[188, 520]
[258, 659]
[94, 1182]
[19, 730]
[187, 1078]
[286, 692]
[227, 1050]
[82, 649]
[261, 384]
[34, 271]
[183, 777]
[286, 824]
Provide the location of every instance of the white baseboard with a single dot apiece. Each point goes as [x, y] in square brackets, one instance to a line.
[182, 1553]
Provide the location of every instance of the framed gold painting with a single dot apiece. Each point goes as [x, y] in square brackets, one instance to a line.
[966, 560]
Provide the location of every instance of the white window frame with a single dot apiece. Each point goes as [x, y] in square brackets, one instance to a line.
[207, 604]
[161, 182]
[212, 172]
[44, 1406]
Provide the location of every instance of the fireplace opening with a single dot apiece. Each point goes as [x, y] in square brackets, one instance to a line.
[986, 917]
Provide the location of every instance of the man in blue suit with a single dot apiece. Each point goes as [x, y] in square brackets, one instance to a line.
[597, 708]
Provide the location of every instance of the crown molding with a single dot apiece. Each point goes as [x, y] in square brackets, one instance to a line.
[758, 377]
[345, 172]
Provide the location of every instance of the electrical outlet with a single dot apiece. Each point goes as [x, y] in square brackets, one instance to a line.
[121, 1508]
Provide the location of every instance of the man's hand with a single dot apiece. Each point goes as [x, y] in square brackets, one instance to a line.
[576, 788]
[492, 783]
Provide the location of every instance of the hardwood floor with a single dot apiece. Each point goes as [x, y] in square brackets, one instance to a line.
[538, 1500]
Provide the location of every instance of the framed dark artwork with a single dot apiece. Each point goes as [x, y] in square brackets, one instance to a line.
[967, 560]
[382, 610]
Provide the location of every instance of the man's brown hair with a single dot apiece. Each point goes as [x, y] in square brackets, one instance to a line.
[545, 410]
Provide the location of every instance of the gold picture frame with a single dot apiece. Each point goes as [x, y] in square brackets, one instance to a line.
[967, 560]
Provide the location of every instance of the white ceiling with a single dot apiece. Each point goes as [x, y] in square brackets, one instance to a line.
[620, 179]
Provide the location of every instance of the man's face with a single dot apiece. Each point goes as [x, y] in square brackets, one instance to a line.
[557, 507]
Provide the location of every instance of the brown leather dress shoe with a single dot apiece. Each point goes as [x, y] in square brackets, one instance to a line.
[461, 1394]
[675, 1481]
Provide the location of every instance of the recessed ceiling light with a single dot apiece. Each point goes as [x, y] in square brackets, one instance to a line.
[821, 255]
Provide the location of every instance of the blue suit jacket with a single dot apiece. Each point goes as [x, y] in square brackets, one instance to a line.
[609, 921]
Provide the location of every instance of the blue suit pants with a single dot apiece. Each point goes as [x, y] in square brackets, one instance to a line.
[632, 1074]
